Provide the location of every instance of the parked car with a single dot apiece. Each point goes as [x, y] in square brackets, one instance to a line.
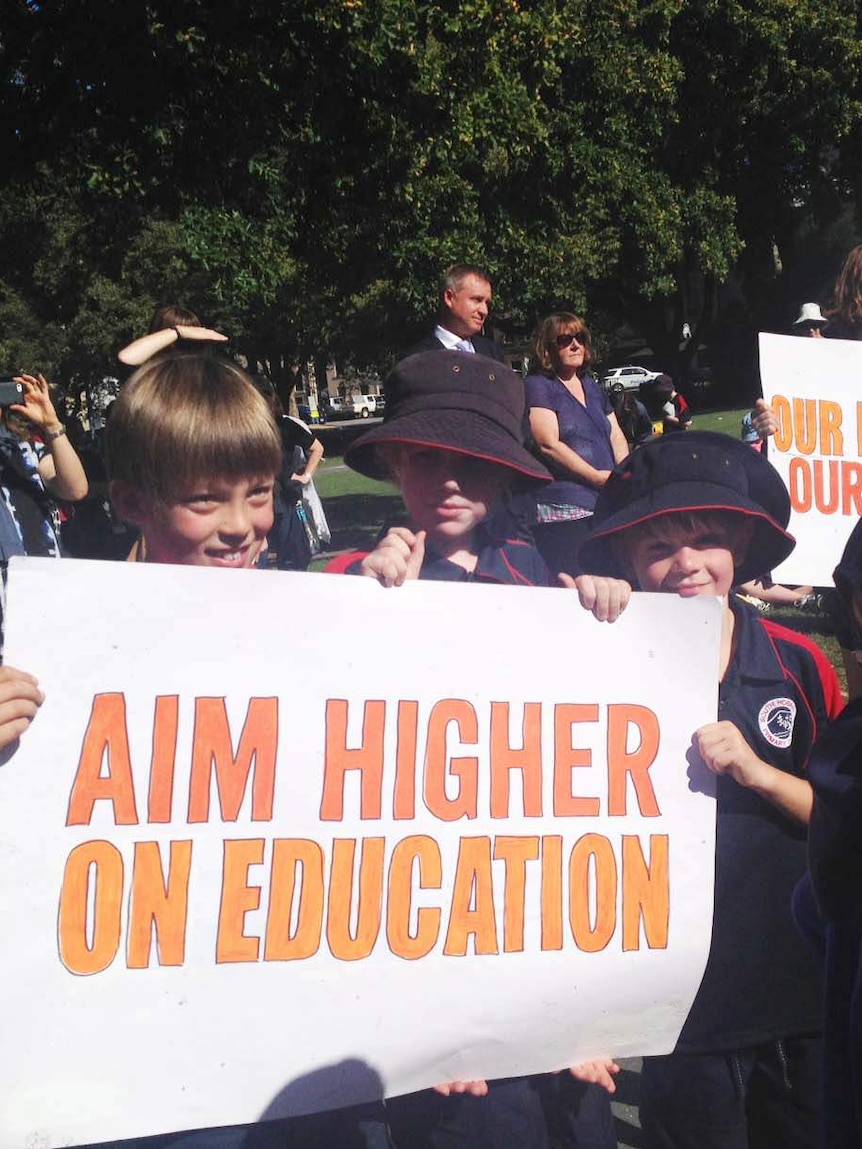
[364, 406]
[334, 408]
[630, 376]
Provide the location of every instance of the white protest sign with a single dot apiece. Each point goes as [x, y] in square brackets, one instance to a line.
[815, 388]
[277, 843]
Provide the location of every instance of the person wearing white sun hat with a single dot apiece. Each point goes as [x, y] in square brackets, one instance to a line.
[810, 321]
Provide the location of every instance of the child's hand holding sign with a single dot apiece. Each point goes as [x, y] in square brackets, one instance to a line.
[397, 557]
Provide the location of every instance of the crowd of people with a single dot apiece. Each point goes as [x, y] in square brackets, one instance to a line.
[534, 482]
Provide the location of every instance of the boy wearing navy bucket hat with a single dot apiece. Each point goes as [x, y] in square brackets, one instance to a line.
[694, 515]
[452, 442]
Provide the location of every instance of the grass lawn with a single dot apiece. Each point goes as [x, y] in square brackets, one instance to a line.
[727, 421]
[357, 508]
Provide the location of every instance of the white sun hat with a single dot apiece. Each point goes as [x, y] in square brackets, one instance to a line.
[810, 313]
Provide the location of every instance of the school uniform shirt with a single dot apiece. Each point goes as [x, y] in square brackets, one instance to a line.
[512, 562]
[762, 981]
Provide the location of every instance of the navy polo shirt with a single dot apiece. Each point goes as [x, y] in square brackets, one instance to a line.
[511, 562]
[762, 981]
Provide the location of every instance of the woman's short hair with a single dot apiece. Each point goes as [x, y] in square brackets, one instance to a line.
[545, 339]
[185, 417]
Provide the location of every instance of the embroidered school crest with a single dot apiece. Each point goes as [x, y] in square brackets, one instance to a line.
[776, 720]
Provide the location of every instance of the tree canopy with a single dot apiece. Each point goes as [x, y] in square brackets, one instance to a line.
[301, 173]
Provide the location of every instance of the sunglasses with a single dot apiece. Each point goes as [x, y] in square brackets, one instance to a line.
[567, 339]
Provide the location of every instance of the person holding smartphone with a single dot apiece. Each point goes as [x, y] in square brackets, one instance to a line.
[38, 466]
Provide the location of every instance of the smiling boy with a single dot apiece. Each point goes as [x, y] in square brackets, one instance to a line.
[192, 454]
[693, 515]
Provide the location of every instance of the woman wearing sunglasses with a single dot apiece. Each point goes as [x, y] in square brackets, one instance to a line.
[575, 434]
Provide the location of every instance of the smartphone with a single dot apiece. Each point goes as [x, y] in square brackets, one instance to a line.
[10, 391]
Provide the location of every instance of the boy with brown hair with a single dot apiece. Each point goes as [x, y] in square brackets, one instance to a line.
[192, 453]
[693, 515]
[192, 456]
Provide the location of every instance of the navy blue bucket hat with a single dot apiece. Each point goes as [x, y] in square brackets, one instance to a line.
[461, 402]
[696, 471]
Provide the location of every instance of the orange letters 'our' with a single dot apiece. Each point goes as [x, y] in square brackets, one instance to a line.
[367, 758]
[528, 760]
[288, 856]
[343, 944]
[646, 892]
[801, 425]
[592, 850]
[212, 746]
[823, 484]
[472, 901]
[436, 761]
[106, 733]
[515, 853]
[636, 765]
[76, 954]
[237, 899]
[156, 902]
[424, 852]
[567, 758]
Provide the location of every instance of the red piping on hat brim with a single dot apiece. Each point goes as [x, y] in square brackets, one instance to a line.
[692, 509]
[768, 519]
[545, 477]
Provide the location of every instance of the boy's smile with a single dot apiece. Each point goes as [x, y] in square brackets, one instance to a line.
[219, 524]
[684, 558]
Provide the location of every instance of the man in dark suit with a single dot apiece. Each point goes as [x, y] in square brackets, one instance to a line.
[465, 300]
